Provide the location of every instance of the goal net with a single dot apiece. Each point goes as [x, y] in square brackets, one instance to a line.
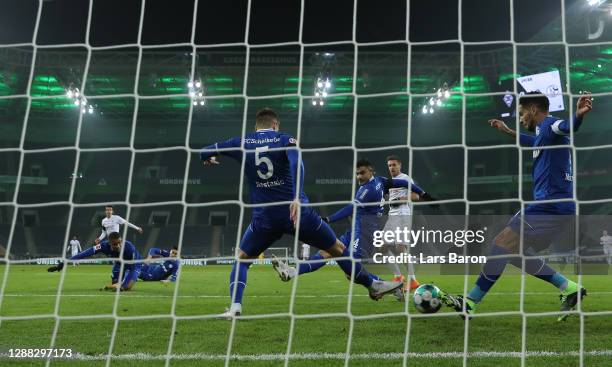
[84, 126]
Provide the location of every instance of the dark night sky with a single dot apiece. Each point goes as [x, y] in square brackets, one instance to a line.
[116, 21]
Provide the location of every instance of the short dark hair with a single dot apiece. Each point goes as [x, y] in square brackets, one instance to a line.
[175, 247]
[535, 99]
[114, 236]
[108, 206]
[266, 117]
[76, 236]
[394, 157]
[363, 162]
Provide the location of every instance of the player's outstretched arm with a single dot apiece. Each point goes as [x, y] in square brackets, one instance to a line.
[524, 139]
[131, 225]
[583, 106]
[345, 212]
[101, 237]
[398, 182]
[157, 252]
[81, 255]
[209, 154]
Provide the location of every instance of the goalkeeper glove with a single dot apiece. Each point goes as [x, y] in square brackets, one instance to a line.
[427, 197]
[57, 267]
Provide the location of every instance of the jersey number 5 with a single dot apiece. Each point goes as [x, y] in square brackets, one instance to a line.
[263, 160]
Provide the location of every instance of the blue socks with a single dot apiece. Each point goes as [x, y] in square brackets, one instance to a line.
[495, 267]
[362, 276]
[310, 267]
[240, 282]
[539, 269]
[491, 271]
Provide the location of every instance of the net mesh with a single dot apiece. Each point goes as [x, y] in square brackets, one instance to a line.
[302, 100]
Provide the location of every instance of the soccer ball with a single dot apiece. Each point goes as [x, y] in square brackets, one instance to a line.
[427, 298]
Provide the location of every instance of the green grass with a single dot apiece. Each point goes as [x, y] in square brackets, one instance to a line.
[378, 341]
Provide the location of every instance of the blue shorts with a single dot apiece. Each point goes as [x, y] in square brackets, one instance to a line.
[546, 223]
[347, 240]
[363, 246]
[151, 272]
[265, 230]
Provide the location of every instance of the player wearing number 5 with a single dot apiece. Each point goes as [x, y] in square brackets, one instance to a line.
[272, 169]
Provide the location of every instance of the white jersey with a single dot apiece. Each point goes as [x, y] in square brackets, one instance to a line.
[606, 240]
[75, 247]
[398, 192]
[112, 224]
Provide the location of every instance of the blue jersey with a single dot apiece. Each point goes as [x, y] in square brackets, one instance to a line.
[130, 270]
[161, 270]
[271, 174]
[373, 191]
[552, 168]
[129, 252]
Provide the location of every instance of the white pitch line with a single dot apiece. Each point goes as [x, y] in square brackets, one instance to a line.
[132, 295]
[330, 356]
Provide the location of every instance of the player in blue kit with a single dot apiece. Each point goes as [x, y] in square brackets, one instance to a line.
[272, 169]
[112, 249]
[542, 223]
[367, 219]
[160, 271]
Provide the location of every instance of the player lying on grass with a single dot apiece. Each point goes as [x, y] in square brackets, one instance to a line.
[543, 223]
[112, 249]
[111, 224]
[368, 199]
[272, 168]
[160, 271]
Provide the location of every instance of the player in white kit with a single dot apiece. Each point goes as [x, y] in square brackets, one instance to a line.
[606, 242]
[400, 216]
[75, 247]
[111, 224]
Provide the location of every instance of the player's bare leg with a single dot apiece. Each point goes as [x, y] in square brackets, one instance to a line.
[412, 283]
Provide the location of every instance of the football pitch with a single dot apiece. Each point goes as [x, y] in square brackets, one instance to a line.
[318, 333]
